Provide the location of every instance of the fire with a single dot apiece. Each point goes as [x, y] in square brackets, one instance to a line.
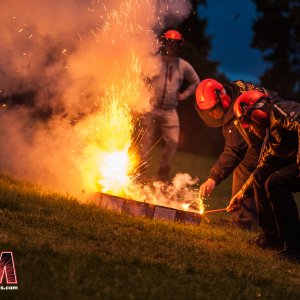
[111, 160]
[111, 155]
[200, 207]
[112, 151]
[185, 206]
[114, 170]
[116, 157]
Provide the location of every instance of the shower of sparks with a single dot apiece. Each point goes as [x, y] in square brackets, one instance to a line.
[114, 160]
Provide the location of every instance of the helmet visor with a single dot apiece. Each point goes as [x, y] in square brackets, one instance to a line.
[212, 118]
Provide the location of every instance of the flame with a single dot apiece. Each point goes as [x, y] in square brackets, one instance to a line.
[198, 202]
[114, 170]
[111, 155]
[185, 206]
[117, 158]
[112, 159]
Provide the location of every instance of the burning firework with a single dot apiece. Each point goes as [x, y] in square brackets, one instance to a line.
[115, 163]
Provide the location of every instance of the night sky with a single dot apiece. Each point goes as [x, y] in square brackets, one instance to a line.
[229, 24]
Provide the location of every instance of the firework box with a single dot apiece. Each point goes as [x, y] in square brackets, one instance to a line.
[144, 209]
[188, 217]
[110, 202]
[164, 213]
[136, 208]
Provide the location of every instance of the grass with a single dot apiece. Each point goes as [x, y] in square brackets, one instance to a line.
[66, 250]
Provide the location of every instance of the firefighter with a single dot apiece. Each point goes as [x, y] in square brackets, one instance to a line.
[214, 104]
[166, 86]
[277, 174]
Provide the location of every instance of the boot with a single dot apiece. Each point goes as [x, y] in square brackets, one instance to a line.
[291, 253]
[268, 240]
[163, 174]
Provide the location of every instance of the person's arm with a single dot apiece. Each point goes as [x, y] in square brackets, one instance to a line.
[289, 118]
[190, 75]
[233, 153]
[237, 199]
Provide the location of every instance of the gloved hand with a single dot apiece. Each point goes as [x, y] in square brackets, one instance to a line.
[207, 188]
[235, 202]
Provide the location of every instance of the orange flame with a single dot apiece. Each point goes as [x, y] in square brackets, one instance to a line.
[112, 157]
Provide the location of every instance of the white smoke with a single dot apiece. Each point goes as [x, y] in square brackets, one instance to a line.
[180, 193]
[65, 55]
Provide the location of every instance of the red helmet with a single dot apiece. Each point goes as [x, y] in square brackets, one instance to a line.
[171, 43]
[247, 107]
[173, 35]
[209, 93]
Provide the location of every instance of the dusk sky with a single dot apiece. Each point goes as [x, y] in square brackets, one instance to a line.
[229, 25]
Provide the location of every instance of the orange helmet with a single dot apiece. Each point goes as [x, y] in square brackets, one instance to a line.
[173, 35]
[171, 43]
[248, 105]
[209, 93]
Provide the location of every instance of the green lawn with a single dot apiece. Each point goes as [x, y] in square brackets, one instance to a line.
[66, 250]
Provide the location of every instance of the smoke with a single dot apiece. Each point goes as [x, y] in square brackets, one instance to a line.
[179, 194]
[65, 60]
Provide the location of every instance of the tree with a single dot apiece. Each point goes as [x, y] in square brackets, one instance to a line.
[277, 36]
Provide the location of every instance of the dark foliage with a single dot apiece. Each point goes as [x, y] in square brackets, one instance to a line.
[195, 135]
[277, 36]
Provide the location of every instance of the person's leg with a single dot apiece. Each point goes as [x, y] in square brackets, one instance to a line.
[170, 131]
[279, 187]
[150, 124]
[266, 217]
[246, 216]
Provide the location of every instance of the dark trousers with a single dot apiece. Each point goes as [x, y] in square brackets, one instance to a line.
[277, 211]
[247, 212]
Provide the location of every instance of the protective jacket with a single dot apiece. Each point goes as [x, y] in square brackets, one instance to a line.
[282, 141]
[167, 83]
[235, 147]
[283, 135]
